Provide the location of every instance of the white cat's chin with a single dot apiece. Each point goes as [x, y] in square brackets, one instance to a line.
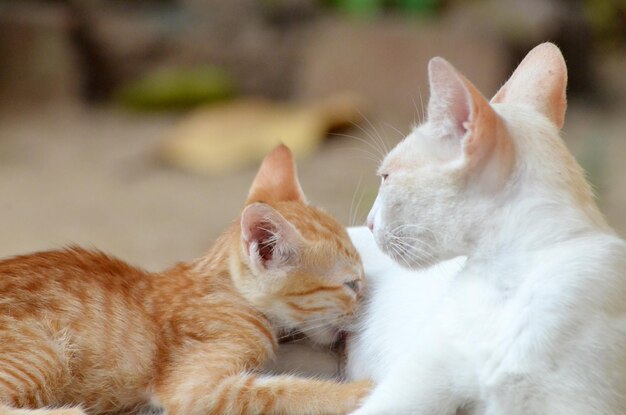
[403, 250]
[410, 259]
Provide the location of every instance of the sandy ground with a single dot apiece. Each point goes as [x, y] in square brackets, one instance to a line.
[92, 177]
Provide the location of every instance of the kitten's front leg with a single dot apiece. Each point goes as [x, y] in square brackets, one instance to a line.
[255, 394]
[4, 410]
[208, 383]
[292, 395]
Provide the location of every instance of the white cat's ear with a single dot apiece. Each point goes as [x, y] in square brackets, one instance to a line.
[277, 178]
[457, 108]
[269, 241]
[539, 81]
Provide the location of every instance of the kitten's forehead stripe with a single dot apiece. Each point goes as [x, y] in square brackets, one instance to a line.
[314, 291]
[316, 225]
[306, 310]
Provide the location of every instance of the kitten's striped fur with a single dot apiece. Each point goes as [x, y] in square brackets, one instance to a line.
[89, 333]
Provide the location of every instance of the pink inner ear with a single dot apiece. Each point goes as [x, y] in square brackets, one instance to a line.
[264, 234]
[449, 104]
[457, 106]
[272, 236]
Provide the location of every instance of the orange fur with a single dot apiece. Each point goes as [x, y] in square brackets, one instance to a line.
[81, 329]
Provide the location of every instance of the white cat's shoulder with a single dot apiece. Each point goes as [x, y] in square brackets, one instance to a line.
[591, 264]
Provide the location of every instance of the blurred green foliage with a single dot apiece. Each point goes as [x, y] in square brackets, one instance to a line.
[373, 7]
[607, 18]
[176, 88]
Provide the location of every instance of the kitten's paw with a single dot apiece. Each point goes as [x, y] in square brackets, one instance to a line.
[68, 411]
[369, 411]
[358, 392]
[58, 411]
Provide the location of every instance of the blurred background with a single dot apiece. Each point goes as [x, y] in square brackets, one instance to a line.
[137, 126]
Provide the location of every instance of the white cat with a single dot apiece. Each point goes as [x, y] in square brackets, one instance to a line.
[534, 321]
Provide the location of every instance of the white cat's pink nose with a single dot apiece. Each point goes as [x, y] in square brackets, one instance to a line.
[370, 220]
[371, 217]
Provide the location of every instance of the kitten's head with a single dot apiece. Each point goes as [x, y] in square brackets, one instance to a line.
[300, 267]
[442, 185]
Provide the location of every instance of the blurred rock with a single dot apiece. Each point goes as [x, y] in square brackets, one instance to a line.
[255, 42]
[246, 39]
[386, 62]
[228, 137]
[121, 43]
[37, 60]
[522, 24]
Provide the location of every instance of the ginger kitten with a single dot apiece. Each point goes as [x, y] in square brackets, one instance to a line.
[84, 331]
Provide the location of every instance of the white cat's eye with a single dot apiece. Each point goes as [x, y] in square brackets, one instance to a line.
[353, 285]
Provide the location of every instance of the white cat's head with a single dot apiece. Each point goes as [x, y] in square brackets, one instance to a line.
[442, 185]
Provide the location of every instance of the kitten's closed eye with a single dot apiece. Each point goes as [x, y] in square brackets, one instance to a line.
[353, 285]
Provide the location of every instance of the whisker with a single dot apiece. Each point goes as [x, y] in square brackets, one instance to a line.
[376, 133]
[423, 117]
[409, 251]
[371, 136]
[358, 207]
[351, 212]
[370, 156]
[370, 144]
[373, 146]
[400, 133]
[399, 254]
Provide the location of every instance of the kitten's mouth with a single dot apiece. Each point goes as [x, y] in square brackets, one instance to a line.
[339, 344]
[290, 336]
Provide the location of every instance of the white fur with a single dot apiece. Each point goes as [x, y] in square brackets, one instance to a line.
[534, 321]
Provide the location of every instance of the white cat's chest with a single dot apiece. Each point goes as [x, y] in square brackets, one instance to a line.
[475, 319]
[484, 304]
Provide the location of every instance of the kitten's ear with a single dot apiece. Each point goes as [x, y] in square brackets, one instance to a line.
[457, 108]
[277, 179]
[539, 81]
[269, 240]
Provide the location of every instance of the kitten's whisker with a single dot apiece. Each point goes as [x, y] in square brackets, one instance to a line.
[325, 319]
